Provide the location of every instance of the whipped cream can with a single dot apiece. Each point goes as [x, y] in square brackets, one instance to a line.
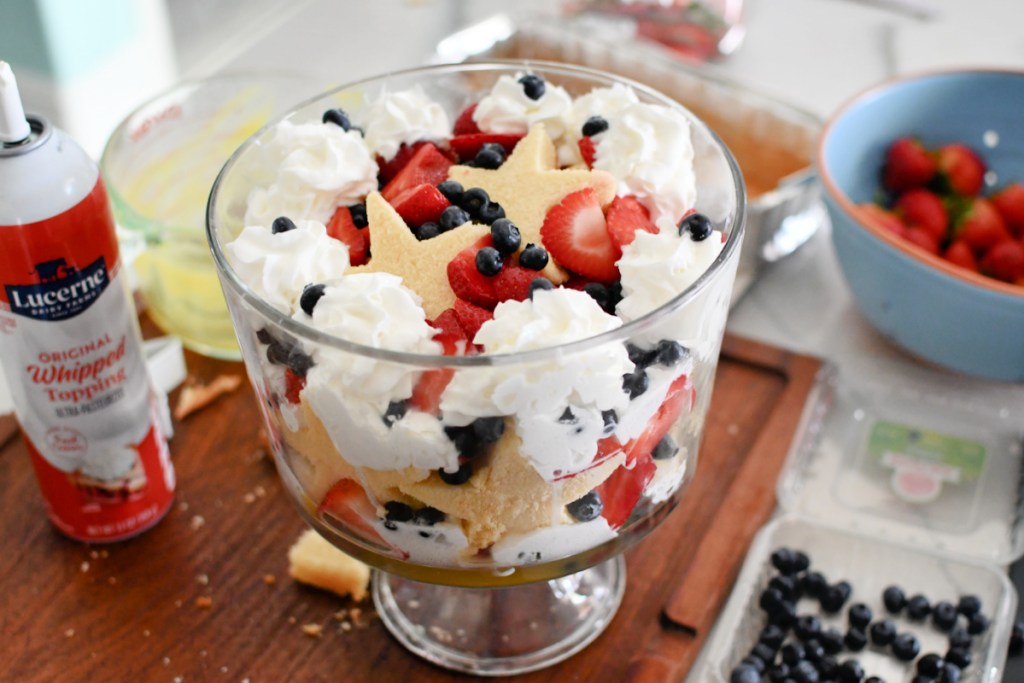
[69, 339]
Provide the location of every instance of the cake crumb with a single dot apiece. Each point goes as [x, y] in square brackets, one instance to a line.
[314, 561]
[292, 620]
[145, 633]
[269, 579]
[112, 580]
[259, 491]
[195, 397]
[197, 522]
[249, 498]
[203, 580]
[85, 567]
[204, 602]
[69, 633]
[94, 555]
[345, 626]
[313, 630]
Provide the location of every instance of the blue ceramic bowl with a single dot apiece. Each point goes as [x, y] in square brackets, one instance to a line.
[944, 314]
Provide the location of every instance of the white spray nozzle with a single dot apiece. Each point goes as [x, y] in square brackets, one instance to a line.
[13, 124]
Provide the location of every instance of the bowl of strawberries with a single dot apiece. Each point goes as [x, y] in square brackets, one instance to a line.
[923, 178]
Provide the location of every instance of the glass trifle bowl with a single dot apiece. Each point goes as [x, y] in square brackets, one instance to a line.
[486, 396]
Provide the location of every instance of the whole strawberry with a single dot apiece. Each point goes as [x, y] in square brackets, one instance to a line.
[924, 209]
[981, 226]
[1009, 202]
[1004, 261]
[907, 165]
[962, 169]
[873, 213]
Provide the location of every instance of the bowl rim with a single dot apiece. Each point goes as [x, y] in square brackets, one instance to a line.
[908, 249]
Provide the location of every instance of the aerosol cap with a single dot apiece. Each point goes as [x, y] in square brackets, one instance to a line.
[14, 127]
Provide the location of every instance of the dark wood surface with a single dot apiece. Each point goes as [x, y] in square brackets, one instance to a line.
[190, 597]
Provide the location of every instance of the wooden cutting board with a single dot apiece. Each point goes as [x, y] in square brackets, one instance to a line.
[204, 596]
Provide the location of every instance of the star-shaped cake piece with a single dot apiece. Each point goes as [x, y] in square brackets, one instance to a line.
[422, 265]
[530, 182]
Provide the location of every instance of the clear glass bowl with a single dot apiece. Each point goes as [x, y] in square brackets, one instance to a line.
[356, 470]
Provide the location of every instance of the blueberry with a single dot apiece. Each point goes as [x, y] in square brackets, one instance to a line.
[813, 584]
[792, 653]
[505, 236]
[968, 605]
[764, 652]
[905, 647]
[918, 607]
[882, 632]
[666, 449]
[598, 293]
[358, 213]
[950, 673]
[263, 336]
[567, 417]
[459, 476]
[814, 651]
[491, 155]
[540, 283]
[835, 597]
[277, 353]
[1017, 639]
[978, 623]
[804, 672]
[801, 562]
[745, 673]
[427, 231]
[698, 225]
[828, 667]
[859, 615]
[490, 212]
[473, 199]
[959, 657]
[465, 440]
[850, 671]
[960, 638]
[855, 639]
[586, 508]
[594, 125]
[395, 412]
[754, 661]
[944, 616]
[788, 586]
[770, 599]
[931, 664]
[635, 383]
[784, 615]
[338, 117]
[779, 672]
[533, 257]
[783, 559]
[310, 295]
[807, 627]
[669, 352]
[298, 362]
[397, 511]
[772, 636]
[894, 599]
[874, 679]
[282, 224]
[832, 640]
[428, 516]
[452, 191]
[488, 261]
[488, 429]
[533, 86]
[640, 357]
[610, 419]
[452, 217]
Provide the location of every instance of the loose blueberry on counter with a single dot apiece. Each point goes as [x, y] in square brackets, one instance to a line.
[338, 117]
[918, 607]
[533, 257]
[282, 224]
[905, 647]
[635, 383]
[894, 599]
[959, 657]
[505, 236]
[931, 664]
[698, 225]
[488, 261]
[459, 476]
[944, 616]
[859, 615]
[490, 212]
[807, 627]
[428, 230]
[395, 412]
[610, 419]
[813, 584]
[666, 449]
[540, 283]
[835, 597]
[489, 429]
[358, 213]
[832, 640]
[452, 217]
[452, 191]
[533, 86]
[850, 671]
[855, 639]
[310, 295]
[594, 125]
[882, 632]
[473, 200]
[968, 605]
[978, 623]
[490, 156]
[428, 516]
[960, 638]
[1016, 639]
[587, 508]
[745, 673]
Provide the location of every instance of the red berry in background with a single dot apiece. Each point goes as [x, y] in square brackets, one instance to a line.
[907, 164]
[962, 168]
[924, 209]
[960, 254]
[876, 215]
[981, 226]
[1009, 202]
[1004, 261]
[923, 239]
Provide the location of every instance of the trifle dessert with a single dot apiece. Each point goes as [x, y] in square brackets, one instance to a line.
[482, 309]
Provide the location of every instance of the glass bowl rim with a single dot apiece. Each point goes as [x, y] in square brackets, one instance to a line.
[623, 332]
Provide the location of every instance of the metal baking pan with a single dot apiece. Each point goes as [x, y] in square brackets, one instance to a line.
[772, 141]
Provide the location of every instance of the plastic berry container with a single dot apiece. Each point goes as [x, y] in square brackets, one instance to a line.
[891, 486]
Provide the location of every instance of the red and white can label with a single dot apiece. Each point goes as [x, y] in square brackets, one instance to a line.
[69, 346]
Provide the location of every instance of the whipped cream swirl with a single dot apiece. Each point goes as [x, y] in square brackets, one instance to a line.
[608, 103]
[507, 109]
[277, 266]
[319, 167]
[402, 117]
[647, 148]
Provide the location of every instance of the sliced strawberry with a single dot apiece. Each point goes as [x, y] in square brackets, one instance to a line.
[1009, 202]
[924, 209]
[426, 395]
[464, 124]
[347, 502]
[981, 226]
[420, 204]
[625, 216]
[293, 386]
[471, 317]
[466, 146]
[448, 327]
[428, 166]
[1004, 261]
[576, 235]
[959, 253]
[388, 169]
[621, 491]
[588, 150]
[679, 397]
[907, 164]
[467, 282]
[876, 215]
[341, 227]
[962, 168]
[513, 283]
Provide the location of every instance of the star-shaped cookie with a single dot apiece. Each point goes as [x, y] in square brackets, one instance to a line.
[421, 265]
[530, 182]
